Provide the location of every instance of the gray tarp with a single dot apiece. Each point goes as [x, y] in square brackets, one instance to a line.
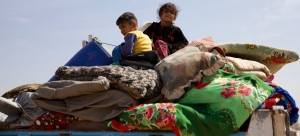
[20, 112]
[9, 111]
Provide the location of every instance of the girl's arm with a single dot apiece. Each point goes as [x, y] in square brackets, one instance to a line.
[127, 48]
[149, 30]
[179, 40]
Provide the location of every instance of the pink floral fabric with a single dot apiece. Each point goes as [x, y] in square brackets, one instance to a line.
[53, 120]
[156, 116]
[161, 48]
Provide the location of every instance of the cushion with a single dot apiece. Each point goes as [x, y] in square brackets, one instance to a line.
[187, 65]
[13, 93]
[273, 58]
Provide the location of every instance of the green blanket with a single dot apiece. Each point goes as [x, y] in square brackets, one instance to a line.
[216, 106]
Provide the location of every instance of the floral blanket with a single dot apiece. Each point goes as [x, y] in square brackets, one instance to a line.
[138, 83]
[273, 58]
[216, 106]
[283, 98]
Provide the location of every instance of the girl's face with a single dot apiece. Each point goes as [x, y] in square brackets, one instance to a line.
[167, 16]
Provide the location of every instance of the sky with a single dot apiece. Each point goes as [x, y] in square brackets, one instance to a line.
[38, 36]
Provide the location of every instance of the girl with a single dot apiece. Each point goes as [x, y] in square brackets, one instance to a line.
[167, 38]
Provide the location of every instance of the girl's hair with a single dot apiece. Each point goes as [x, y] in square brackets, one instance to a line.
[126, 17]
[168, 7]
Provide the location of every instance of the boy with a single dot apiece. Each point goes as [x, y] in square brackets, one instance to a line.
[135, 40]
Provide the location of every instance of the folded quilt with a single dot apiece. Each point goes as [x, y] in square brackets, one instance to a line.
[67, 88]
[243, 66]
[138, 83]
[98, 107]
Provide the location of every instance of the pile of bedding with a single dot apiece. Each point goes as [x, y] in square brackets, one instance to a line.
[202, 89]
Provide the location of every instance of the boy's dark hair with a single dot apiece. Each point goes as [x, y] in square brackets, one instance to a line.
[168, 7]
[126, 17]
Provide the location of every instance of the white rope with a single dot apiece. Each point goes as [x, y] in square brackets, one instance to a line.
[108, 44]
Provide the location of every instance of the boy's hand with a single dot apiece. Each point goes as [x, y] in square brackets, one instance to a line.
[121, 45]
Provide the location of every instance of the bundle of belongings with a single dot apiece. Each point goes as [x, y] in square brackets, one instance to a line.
[203, 89]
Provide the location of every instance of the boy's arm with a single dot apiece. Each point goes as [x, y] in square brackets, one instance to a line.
[127, 48]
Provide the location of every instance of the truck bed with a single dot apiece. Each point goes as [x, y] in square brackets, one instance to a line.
[83, 133]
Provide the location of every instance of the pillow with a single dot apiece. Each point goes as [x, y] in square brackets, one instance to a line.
[208, 42]
[187, 65]
[209, 45]
[273, 58]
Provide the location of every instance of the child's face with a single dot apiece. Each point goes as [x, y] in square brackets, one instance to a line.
[126, 27]
[167, 16]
